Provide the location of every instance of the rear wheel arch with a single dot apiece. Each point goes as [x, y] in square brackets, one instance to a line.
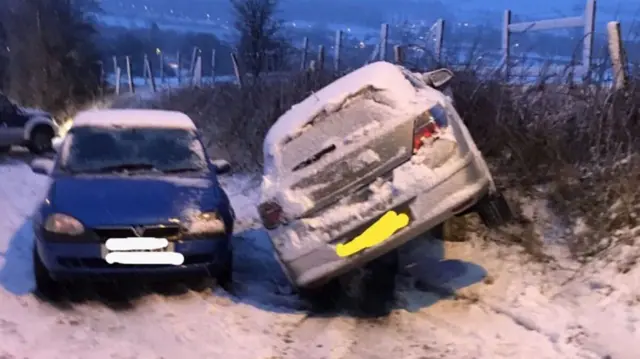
[39, 138]
[44, 127]
[38, 124]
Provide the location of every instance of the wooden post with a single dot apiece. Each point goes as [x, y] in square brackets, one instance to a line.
[118, 75]
[506, 43]
[617, 54]
[197, 72]
[236, 69]
[320, 61]
[589, 30]
[161, 55]
[384, 39]
[179, 71]
[336, 52]
[145, 74]
[374, 54]
[115, 63]
[103, 75]
[192, 64]
[398, 55]
[213, 66]
[132, 88]
[305, 50]
[149, 72]
[439, 40]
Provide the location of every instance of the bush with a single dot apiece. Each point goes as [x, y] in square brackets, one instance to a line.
[582, 142]
[236, 120]
[579, 142]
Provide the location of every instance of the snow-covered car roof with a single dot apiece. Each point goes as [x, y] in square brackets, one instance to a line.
[379, 75]
[133, 118]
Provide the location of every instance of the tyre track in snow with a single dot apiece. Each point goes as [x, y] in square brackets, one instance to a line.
[318, 337]
[510, 316]
[387, 337]
[502, 320]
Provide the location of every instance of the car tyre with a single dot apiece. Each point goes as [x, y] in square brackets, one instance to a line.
[41, 141]
[224, 276]
[323, 298]
[451, 230]
[4, 149]
[494, 210]
[365, 292]
[46, 287]
[373, 294]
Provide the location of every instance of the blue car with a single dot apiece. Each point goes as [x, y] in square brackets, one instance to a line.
[132, 193]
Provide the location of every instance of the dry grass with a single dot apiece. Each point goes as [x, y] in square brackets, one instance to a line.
[236, 120]
[579, 141]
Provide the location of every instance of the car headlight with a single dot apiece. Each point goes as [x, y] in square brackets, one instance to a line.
[63, 224]
[206, 223]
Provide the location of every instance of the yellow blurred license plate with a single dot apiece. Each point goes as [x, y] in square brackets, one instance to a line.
[377, 233]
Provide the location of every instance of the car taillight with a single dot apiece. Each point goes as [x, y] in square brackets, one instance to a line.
[419, 134]
[270, 214]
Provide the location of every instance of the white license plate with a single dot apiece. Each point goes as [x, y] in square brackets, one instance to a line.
[169, 248]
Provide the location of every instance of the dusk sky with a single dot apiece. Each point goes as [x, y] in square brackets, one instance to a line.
[359, 11]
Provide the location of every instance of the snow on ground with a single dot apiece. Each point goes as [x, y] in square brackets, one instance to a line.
[507, 307]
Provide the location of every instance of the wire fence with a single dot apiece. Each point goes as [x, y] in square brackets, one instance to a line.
[415, 45]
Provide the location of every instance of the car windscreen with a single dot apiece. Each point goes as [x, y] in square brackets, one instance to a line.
[105, 150]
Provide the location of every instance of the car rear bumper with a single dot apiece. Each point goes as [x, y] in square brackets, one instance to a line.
[463, 189]
[67, 261]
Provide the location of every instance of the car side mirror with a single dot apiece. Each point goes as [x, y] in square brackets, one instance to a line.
[221, 166]
[42, 166]
[438, 78]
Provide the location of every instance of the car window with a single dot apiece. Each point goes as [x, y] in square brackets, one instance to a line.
[97, 149]
[5, 104]
[333, 131]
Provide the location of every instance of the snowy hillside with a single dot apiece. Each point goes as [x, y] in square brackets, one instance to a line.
[506, 306]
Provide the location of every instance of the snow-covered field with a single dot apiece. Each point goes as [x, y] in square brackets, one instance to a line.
[506, 306]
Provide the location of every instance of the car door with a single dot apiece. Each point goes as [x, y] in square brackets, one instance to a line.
[12, 123]
[5, 138]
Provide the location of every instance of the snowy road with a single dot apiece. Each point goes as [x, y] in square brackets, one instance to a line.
[520, 310]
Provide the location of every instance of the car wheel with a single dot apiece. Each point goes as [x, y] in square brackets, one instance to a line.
[451, 230]
[41, 141]
[323, 298]
[371, 293]
[224, 276]
[46, 287]
[494, 210]
[4, 149]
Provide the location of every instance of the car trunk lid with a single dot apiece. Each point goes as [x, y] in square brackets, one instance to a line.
[345, 151]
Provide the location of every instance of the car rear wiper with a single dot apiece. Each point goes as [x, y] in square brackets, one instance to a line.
[315, 158]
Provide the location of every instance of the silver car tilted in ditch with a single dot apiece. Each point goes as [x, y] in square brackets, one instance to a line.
[364, 165]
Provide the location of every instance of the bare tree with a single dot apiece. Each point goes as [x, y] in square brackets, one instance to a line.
[51, 52]
[260, 43]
